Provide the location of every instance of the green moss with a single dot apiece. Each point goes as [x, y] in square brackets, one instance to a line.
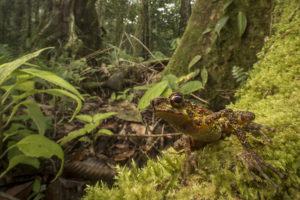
[273, 94]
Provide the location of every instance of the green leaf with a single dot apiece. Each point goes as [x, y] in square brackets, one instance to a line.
[172, 81]
[7, 68]
[34, 112]
[52, 78]
[86, 118]
[104, 132]
[100, 116]
[220, 24]
[226, 5]
[207, 30]
[72, 135]
[36, 115]
[194, 61]
[167, 92]
[190, 87]
[39, 146]
[204, 76]
[55, 92]
[20, 159]
[153, 92]
[242, 23]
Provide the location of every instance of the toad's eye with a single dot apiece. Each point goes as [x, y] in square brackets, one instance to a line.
[176, 101]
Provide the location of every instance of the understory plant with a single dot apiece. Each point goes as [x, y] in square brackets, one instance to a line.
[23, 125]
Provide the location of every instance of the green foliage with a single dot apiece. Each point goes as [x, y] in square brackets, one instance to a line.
[220, 24]
[171, 83]
[90, 127]
[242, 23]
[239, 75]
[17, 89]
[35, 146]
[194, 61]
[155, 91]
[121, 95]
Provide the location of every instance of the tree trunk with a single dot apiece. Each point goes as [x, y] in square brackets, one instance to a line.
[221, 48]
[185, 13]
[142, 30]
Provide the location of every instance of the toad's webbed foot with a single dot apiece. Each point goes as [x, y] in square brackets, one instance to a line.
[252, 160]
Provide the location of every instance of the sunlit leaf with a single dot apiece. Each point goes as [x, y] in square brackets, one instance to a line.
[21, 159]
[104, 132]
[153, 92]
[242, 23]
[167, 92]
[100, 116]
[189, 76]
[220, 24]
[36, 115]
[190, 87]
[86, 118]
[72, 135]
[52, 78]
[39, 146]
[7, 68]
[194, 61]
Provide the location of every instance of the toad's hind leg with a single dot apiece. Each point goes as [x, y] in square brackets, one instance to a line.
[252, 160]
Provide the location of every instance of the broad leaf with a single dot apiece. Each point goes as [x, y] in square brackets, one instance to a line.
[21, 159]
[242, 23]
[220, 24]
[172, 81]
[167, 92]
[153, 92]
[190, 87]
[194, 61]
[39, 146]
[7, 68]
[52, 78]
[55, 92]
[36, 115]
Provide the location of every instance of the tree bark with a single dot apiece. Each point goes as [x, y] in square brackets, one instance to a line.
[185, 13]
[220, 52]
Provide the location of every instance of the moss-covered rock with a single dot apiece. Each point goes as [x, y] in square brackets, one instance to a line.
[273, 94]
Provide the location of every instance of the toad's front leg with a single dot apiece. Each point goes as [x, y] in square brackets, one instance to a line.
[251, 159]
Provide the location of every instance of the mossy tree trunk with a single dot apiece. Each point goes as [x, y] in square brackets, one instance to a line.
[220, 52]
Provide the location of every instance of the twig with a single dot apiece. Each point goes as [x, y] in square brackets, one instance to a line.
[198, 98]
[7, 196]
[150, 135]
[146, 49]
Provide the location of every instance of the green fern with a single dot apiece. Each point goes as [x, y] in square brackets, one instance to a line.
[239, 75]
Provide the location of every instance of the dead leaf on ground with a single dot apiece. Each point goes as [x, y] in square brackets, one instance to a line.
[138, 128]
[123, 156]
